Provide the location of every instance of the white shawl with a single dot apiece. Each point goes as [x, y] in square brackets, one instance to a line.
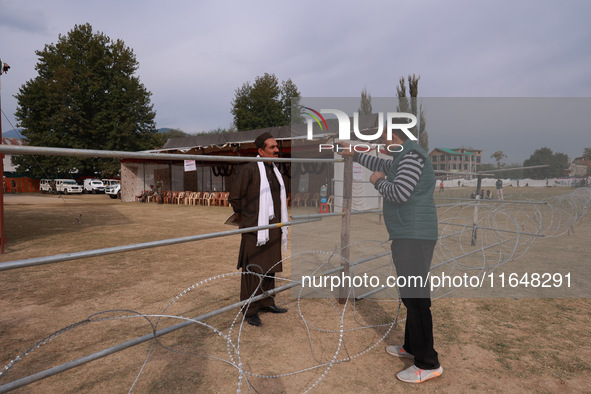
[266, 208]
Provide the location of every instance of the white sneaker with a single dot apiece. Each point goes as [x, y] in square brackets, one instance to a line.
[399, 351]
[415, 374]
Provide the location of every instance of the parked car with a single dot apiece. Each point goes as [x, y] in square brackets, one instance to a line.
[93, 186]
[67, 186]
[114, 191]
[46, 186]
[109, 182]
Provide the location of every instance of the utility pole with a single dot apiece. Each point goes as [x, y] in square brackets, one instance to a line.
[3, 69]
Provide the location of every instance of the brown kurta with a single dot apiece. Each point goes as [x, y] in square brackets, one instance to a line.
[244, 197]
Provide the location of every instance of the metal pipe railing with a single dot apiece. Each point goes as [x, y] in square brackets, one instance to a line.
[492, 229]
[322, 215]
[50, 151]
[144, 245]
[490, 201]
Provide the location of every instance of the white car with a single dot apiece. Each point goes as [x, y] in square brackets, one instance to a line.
[93, 186]
[114, 191]
[67, 186]
[45, 186]
[109, 182]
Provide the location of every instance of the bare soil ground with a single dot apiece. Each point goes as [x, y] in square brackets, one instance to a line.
[496, 344]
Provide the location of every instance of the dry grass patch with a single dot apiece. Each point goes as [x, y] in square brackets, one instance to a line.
[534, 345]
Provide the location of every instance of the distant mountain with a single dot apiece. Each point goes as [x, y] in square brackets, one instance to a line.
[164, 129]
[14, 133]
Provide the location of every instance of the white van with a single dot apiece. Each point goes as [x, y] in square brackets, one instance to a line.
[45, 186]
[67, 186]
[93, 186]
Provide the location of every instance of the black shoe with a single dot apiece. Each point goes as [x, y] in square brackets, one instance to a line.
[272, 309]
[254, 320]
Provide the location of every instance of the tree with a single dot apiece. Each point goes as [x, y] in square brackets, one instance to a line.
[499, 156]
[290, 101]
[85, 96]
[587, 153]
[365, 105]
[557, 162]
[219, 130]
[265, 103]
[409, 104]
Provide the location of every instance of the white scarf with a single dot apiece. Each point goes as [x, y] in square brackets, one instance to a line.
[266, 208]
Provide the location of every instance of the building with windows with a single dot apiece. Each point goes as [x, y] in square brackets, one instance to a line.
[581, 166]
[456, 159]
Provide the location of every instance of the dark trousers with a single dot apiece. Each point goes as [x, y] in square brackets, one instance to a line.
[412, 258]
[248, 285]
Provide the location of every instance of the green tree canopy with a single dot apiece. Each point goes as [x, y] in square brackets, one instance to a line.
[557, 162]
[409, 103]
[265, 103]
[499, 156]
[87, 97]
[587, 153]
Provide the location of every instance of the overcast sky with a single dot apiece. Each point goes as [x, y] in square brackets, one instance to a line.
[194, 54]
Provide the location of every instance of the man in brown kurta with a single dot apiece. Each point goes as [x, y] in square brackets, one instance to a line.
[263, 259]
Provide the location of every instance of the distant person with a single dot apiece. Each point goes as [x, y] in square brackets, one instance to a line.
[459, 183]
[488, 195]
[441, 186]
[159, 186]
[499, 186]
[143, 197]
[13, 184]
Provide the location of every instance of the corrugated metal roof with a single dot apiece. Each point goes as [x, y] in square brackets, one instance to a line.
[450, 151]
[299, 131]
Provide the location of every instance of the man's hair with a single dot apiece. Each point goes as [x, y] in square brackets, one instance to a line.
[260, 141]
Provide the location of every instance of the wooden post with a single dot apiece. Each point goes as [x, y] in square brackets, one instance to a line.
[346, 225]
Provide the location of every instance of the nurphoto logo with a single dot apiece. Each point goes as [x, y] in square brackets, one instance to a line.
[344, 125]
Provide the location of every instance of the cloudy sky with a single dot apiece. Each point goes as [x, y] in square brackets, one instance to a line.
[194, 54]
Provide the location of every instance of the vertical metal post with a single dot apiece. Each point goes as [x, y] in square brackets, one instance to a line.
[2, 237]
[475, 221]
[346, 226]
